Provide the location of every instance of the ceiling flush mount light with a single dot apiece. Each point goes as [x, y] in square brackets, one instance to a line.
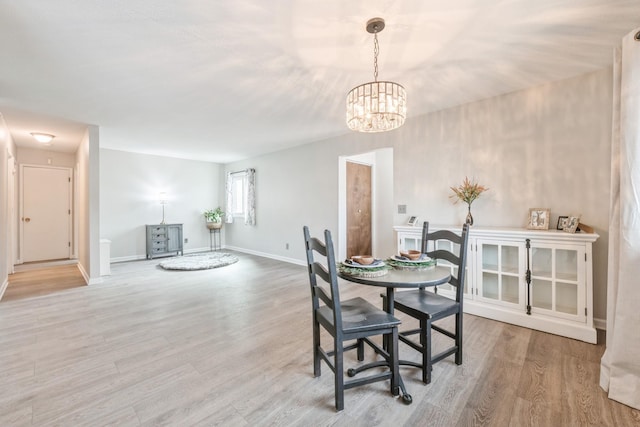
[43, 138]
[376, 106]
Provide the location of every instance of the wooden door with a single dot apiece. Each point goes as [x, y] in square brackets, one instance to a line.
[46, 213]
[358, 209]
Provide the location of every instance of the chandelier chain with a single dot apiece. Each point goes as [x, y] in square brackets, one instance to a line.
[376, 50]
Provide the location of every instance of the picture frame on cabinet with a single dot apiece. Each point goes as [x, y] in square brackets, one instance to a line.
[413, 220]
[538, 219]
[572, 224]
[562, 222]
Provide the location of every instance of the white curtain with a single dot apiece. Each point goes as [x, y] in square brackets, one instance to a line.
[250, 202]
[229, 199]
[620, 365]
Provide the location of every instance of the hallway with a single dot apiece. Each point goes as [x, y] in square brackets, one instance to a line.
[42, 279]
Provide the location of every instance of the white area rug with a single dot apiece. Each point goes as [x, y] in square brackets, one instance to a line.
[199, 261]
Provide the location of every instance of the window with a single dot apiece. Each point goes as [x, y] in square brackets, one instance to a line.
[241, 196]
[238, 189]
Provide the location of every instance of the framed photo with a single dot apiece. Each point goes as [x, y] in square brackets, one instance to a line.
[572, 224]
[562, 222]
[413, 220]
[538, 219]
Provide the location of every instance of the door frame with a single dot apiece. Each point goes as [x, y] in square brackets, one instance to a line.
[21, 206]
[383, 239]
[365, 160]
[12, 218]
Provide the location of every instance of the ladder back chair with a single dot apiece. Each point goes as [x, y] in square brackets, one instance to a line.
[428, 306]
[353, 319]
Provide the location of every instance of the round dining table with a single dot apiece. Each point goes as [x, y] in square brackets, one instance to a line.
[392, 280]
[406, 278]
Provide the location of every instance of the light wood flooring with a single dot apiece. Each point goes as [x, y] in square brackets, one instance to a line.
[232, 347]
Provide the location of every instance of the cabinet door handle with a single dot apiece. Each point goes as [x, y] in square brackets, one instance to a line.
[27, 219]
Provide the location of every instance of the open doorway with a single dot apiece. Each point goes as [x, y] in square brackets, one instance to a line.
[359, 208]
[382, 238]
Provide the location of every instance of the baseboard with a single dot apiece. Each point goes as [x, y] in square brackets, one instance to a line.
[267, 255]
[141, 257]
[127, 258]
[85, 276]
[600, 324]
[192, 251]
[3, 288]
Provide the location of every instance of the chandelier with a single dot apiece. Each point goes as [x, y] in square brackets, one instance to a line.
[376, 106]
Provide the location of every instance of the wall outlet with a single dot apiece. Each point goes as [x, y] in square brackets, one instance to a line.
[186, 240]
[286, 246]
[402, 209]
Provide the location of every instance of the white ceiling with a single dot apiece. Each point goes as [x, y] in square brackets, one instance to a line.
[226, 80]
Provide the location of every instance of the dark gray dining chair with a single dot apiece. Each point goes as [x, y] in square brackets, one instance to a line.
[428, 306]
[353, 319]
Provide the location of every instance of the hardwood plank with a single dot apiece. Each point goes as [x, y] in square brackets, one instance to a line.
[32, 283]
[493, 399]
[232, 346]
[17, 415]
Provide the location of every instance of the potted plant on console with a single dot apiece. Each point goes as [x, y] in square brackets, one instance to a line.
[214, 218]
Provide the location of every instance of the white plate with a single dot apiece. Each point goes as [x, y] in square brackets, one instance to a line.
[417, 261]
[376, 263]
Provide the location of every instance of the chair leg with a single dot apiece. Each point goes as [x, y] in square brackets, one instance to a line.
[425, 330]
[459, 338]
[339, 375]
[360, 349]
[316, 349]
[395, 366]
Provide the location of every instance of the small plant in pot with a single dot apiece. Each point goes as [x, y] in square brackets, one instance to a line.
[214, 218]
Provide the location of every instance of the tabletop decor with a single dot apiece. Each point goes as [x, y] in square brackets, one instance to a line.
[403, 263]
[376, 269]
[467, 192]
[538, 219]
[572, 224]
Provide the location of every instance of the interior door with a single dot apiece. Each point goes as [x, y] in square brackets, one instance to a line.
[46, 213]
[358, 209]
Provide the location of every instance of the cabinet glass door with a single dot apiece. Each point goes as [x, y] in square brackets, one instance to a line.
[500, 278]
[557, 280]
[407, 241]
[411, 243]
[455, 249]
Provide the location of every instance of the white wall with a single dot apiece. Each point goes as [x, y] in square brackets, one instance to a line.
[7, 150]
[547, 146]
[298, 187]
[30, 156]
[129, 187]
[88, 206]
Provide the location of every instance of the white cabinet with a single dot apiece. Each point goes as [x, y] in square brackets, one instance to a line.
[540, 279]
